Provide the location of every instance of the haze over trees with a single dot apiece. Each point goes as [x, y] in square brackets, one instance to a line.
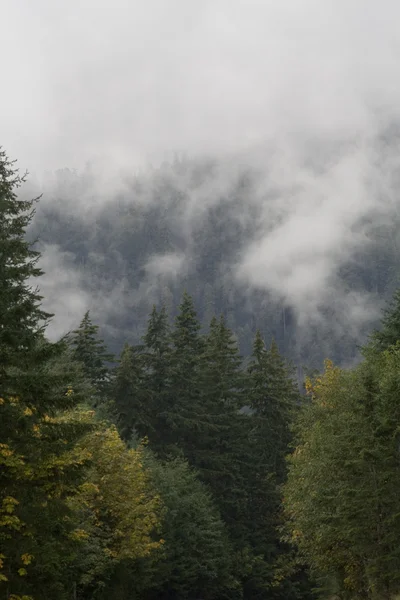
[185, 469]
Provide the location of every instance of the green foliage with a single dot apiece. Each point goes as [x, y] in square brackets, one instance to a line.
[341, 499]
[389, 333]
[116, 510]
[130, 409]
[197, 559]
[90, 351]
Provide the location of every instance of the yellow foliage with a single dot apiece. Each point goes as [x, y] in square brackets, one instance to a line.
[79, 535]
[320, 388]
[119, 491]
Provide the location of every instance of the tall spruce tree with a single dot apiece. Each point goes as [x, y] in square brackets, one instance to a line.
[272, 397]
[389, 333]
[156, 361]
[221, 447]
[185, 412]
[131, 406]
[38, 465]
[90, 351]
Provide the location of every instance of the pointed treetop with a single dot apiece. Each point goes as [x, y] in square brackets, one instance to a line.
[187, 325]
[157, 334]
[90, 350]
[389, 334]
[21, 319]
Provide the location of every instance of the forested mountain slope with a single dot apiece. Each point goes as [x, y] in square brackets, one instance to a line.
[145, 238]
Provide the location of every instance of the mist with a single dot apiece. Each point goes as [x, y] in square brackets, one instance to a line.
[300, 95]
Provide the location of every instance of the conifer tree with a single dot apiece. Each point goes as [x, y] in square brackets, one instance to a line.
[185, 411]
[156, 361]
[130, 398]
[90, 351]
[273, 398]
[389, 333]
[221, 449]
[38, 464]
[197, 562]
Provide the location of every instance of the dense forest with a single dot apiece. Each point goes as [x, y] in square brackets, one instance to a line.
[187, 466]
[185, 226]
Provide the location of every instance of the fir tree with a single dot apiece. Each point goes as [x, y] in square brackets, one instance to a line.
[273, 398]
[130, 406]
[185, 411]
[156, 361]
[38, 383]
[90, 351]
[389, 334]
[221, 448]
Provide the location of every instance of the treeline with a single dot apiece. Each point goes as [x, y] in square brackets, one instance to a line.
[155, 476]
[125, 249]
[180, 471]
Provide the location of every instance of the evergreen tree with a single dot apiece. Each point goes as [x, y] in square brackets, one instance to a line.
[389, 334]
[90, 351]
[221, 447]
[197, 562]
[131, 406]
[22, 319]
[156, 361]
[185, 410]
[38, 383]
[273, 398]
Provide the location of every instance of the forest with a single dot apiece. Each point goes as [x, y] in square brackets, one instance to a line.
[186, 224]
[187, 462]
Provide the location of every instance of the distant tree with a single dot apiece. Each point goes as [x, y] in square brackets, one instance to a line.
[273, 397]
[156, 361]
[389, 333]
[185, 411]
[131, 406]
[221, 442]
[90, 351]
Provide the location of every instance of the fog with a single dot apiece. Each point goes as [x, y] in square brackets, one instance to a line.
[298, 90]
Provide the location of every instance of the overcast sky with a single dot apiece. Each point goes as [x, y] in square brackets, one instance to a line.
[130, 79]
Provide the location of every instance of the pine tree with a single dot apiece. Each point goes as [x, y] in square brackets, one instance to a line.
[90, 351]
